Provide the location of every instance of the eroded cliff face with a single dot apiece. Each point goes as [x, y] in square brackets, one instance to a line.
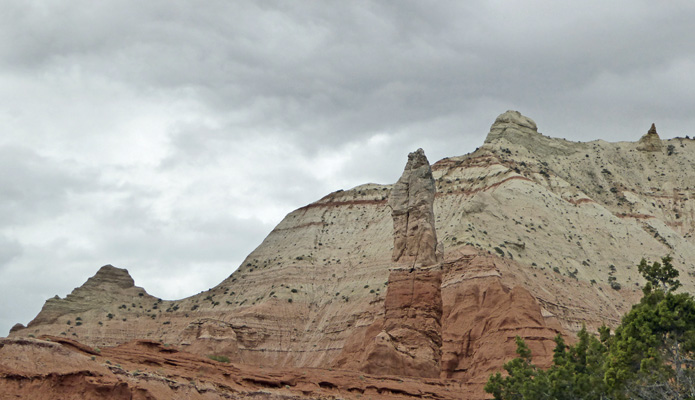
[99, 308]
[454, 320]
[457, 321]
[407, 339]
[551, 227]
[482, 316]
[53, 367]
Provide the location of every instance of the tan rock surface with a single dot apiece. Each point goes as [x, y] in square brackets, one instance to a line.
[411, 201]
[650, 141]
[566, 222]
[512, 123]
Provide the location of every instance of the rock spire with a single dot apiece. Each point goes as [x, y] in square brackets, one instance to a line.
[650, 141]
[411, 202]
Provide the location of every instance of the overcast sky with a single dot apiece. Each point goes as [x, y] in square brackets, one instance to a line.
[169, 138]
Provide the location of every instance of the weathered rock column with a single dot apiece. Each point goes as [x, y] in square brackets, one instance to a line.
[410, 342]
[408, 339]
[411, 202]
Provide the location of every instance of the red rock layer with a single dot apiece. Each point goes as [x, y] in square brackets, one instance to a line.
[407, 341]
[147, 370]
[481, 318]
[459, 323]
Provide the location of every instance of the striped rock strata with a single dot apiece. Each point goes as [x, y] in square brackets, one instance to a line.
[553, 226]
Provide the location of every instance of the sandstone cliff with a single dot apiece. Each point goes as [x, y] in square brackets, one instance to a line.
[540, 234]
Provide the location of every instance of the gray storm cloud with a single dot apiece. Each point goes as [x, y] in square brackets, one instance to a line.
[165, 134]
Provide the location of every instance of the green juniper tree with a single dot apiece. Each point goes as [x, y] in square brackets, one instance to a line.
[576, 373]
[523, 381]
[651, 355]
[659, 276]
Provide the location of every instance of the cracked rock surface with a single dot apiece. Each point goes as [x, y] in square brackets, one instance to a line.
[411, 201]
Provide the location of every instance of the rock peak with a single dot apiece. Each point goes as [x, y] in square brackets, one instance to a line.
[411, 202]
[511, 123]
[108, 274]
[650, 141]
[17, 327]
[417, 159]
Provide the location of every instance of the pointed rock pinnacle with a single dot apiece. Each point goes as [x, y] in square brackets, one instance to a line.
[650, 141]
[411, 201]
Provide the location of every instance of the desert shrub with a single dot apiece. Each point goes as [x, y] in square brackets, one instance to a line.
[219, 358]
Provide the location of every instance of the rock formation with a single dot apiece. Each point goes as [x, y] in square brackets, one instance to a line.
[542, 235]
[105, 288]
[512, 123]
[455, 322]
[149, 370]
[109, 276]
[411, 200]
[482, 317]
[650, 141]
[407, 340]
